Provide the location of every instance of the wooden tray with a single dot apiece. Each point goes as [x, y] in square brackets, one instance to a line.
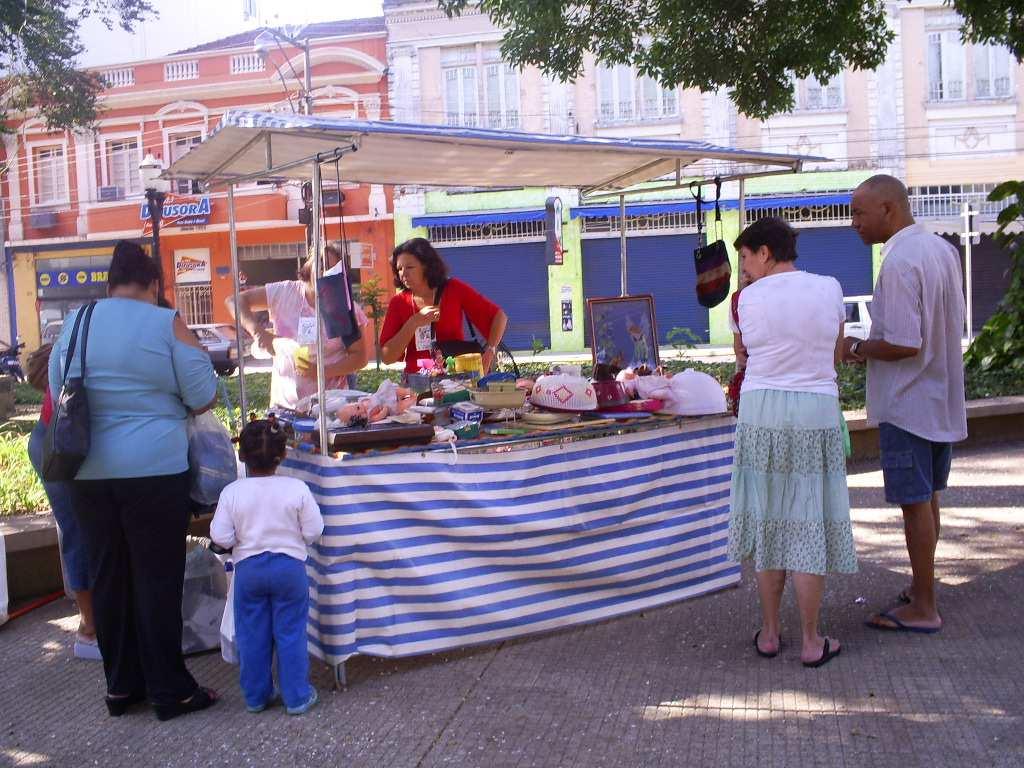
[381, 436]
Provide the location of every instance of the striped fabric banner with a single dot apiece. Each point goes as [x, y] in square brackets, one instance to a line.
[425, 551]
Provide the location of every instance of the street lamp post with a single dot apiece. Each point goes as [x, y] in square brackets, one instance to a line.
[269, 38]
[156, 192]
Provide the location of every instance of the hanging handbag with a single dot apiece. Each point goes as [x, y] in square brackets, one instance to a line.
[456, 347]
[67, 435]
[712, 261]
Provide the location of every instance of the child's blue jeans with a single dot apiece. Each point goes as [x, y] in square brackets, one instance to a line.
[271, 612]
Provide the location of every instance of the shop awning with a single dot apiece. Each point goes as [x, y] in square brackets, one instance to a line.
[258, 144]
[688, 206]
[476, 217]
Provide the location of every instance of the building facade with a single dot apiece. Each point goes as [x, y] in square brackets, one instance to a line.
[71, 195]
[939, 114]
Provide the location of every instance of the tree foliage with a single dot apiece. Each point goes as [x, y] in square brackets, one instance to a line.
[39, 46]
[374, 297]
[1000, 345]
[751, 47]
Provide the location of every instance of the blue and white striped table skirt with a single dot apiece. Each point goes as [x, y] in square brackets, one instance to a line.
[426, 551]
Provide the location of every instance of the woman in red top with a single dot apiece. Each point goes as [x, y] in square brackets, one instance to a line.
[431, 306]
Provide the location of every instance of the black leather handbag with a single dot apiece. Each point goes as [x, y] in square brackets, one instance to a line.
[712, 261]
[67, 435]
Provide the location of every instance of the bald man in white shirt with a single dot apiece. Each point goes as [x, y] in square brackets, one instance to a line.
[915, 380]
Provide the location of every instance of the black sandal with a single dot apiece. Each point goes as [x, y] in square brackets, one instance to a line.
[826, 656]
[203, 698]
[119, 705]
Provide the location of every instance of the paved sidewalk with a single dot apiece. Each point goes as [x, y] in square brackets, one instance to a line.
[676, 686]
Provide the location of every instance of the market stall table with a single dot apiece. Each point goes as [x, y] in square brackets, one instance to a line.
[426, 550]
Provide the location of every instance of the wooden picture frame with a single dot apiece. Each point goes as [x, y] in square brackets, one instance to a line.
[624, 332]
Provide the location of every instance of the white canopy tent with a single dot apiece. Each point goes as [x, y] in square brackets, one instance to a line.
[257, 145]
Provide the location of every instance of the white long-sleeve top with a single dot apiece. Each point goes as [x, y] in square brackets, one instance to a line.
[266, 514]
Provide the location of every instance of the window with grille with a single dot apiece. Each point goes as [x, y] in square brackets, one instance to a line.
[475, 96]
[50, 172]
[991, 72]
[810, 93]
[296, 251]
[508, 231]
[195, 303]
[804, 215]
[639, 223]
[123, 158]
[180, 144]
[946, 66]
[626, 96]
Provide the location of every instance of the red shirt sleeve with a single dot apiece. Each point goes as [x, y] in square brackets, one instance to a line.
[400, 309]
[459, 297]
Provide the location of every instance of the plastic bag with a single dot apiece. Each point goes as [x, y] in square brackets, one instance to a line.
[211, 458]
[847, 443]
[228, 645]
[203, 597]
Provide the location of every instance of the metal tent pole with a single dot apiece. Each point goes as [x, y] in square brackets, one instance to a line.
[318, 212]
[743, 204]
[233, 237]
[622, 244]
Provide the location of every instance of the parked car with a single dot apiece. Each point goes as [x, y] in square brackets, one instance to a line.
[858, 316]
[218, 339]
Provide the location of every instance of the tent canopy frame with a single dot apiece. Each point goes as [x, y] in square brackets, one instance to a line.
[659, 159]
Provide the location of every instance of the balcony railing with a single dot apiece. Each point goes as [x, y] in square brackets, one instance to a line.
[181, 70]
[243, 63]
[118, 78]
[947, 202]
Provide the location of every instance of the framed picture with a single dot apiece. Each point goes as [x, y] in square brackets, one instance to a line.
[623, 333]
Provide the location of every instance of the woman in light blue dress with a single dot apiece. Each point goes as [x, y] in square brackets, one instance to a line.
[144, 372]
[790, 509]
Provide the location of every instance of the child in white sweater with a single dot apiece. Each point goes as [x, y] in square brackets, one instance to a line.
[268, 521]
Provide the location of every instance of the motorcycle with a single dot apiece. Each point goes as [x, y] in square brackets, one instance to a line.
[10, 362]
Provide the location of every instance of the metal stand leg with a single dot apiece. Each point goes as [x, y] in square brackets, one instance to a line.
[340, 680]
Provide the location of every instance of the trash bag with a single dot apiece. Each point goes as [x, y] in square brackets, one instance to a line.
[203, 598]
[211, 458]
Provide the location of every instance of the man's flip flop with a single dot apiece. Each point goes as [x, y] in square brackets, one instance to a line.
[764, 654]
[826, 656]
[899, 625]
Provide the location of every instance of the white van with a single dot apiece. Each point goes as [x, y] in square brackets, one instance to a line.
[858, 316]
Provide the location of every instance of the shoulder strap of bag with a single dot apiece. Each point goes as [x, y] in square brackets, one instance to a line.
[70, 354]
[85, 335]
[465, 317]
[718, 207]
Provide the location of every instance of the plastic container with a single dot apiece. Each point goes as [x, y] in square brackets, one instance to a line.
[469, 363]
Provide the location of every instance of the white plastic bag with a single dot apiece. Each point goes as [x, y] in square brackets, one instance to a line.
[228, 646]
[211, 458]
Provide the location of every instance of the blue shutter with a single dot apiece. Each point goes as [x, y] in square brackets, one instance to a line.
[661, 265]
[837, 252]
[991, 268]
[513, 276]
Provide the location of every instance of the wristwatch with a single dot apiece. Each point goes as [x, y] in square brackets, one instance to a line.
[855, 346]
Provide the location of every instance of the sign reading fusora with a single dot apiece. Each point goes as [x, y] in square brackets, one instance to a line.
[181, 211]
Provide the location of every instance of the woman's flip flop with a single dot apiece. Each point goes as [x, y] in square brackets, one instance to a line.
[826, 656]
[764, 654]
